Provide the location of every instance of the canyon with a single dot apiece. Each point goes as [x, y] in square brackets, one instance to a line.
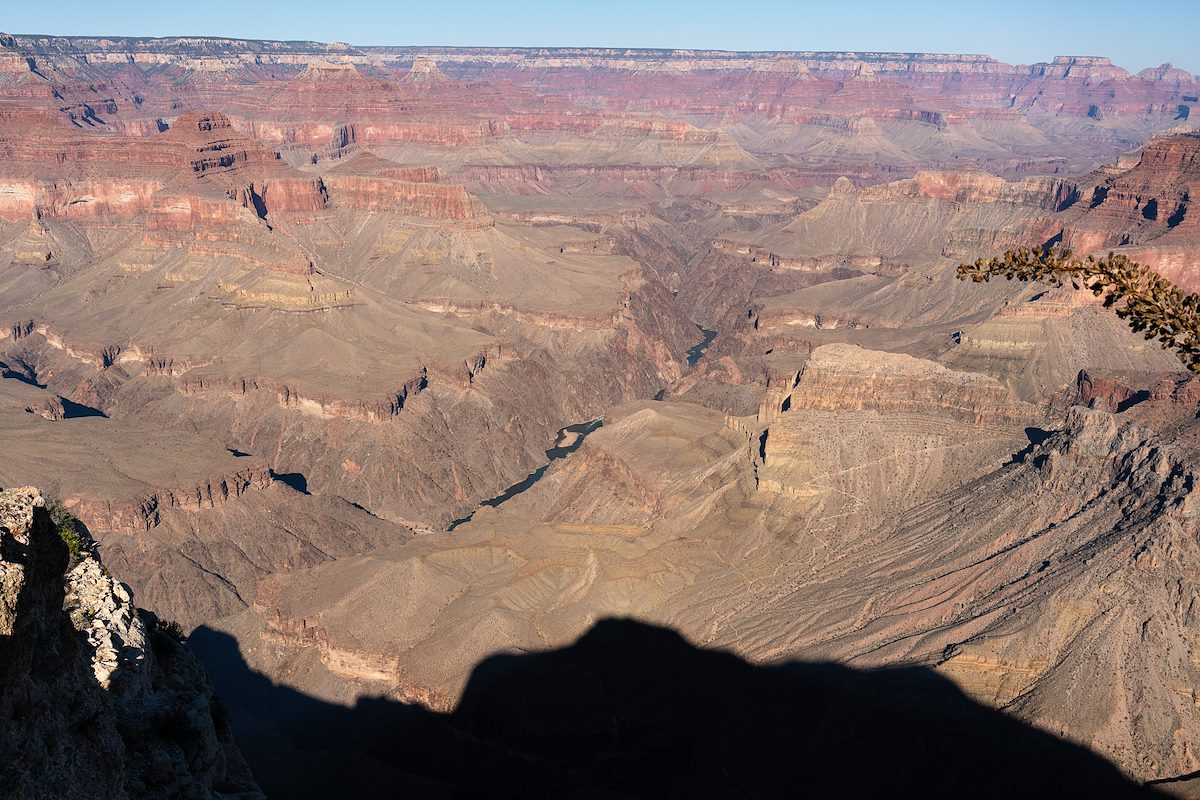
[436, 392]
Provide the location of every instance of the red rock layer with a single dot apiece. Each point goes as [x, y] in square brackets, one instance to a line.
[49, 170]
[426, 200]
[1148, 212]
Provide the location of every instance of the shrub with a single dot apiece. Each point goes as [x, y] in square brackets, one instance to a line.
[170, 628]
[67, 526]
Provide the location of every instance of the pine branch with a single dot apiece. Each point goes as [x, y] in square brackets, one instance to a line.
[1151, 304]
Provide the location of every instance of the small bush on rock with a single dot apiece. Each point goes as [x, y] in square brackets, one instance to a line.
[67, 525]
[170, 628]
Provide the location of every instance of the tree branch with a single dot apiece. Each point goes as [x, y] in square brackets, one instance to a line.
[1151, 304]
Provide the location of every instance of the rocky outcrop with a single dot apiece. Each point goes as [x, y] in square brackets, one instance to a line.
[68, 199]
[201, 189]
[378, 409]
[1166, 72]
[435, 201]
[1094, 67]
[328, 71]
[1142, 203]
[142, 514]
[887, 229]
[246, 172]
[96, 701]
[360, 665]
[974, 187]
[425, 70]
[846, 377]
[49, 409]
[1119, 390]
[863, 433]
[446, 133]
[1146, 210]
[848, 264]
[201, 162]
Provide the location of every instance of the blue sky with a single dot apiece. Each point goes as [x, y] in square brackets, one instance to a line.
[1019, 31]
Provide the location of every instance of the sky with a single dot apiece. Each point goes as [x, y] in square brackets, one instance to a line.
[1019, 31]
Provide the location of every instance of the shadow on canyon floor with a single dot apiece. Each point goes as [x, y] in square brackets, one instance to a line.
[631, 710]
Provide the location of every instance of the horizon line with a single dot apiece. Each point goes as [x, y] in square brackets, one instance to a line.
[611, 48]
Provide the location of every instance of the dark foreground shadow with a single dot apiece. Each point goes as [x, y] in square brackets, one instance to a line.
[632, 710]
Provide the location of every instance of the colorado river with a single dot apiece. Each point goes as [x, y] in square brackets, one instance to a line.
[568, 441]
[696, 352]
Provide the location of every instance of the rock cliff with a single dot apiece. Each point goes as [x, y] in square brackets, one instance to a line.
[97, 698]
[1147, 209]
